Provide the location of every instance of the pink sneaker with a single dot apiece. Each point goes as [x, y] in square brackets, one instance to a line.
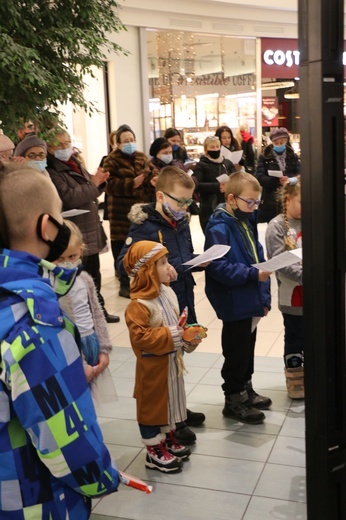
[175, 448]
[158, 457]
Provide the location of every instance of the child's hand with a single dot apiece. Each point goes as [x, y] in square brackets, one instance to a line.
[103, 362]
[263, 276]
[173, 274]
[89, 372]
[266, 310]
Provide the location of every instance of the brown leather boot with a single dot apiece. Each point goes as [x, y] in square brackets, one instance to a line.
[295, 382]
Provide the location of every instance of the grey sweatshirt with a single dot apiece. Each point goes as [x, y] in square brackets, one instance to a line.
[290, 279]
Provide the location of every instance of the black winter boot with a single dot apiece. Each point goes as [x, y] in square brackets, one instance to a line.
[260, 402]
[124, 290]
[237, 407]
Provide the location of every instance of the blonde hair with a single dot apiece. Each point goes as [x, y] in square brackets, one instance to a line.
[76, 235]
[288, 190]
[53, 134]
[170, 176]
[24, 195]
[210, 139]
[239, 181]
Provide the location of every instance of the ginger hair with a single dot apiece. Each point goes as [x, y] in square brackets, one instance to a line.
[287, 191]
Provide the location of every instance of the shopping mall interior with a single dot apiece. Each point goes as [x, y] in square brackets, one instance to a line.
[196, 65]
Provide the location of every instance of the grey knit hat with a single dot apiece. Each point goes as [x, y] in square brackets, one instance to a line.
[29, 142]
[278, 133]
[5, 143]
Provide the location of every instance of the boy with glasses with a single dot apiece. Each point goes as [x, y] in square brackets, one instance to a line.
[238, 293]
[166, 221]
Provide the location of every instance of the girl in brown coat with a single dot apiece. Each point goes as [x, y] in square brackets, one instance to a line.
[156, 338]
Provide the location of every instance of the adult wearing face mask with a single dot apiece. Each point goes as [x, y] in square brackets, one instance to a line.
[129, 182]
[33, 151]
[79, 190]
[179, 153]
[276, 157]
[210, 166]
[161, 153]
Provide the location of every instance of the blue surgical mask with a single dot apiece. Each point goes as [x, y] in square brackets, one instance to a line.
[175, 147]
[129, 148]
[64, 154]
[172, 213]
[167, 158]
[279, 149]
[38, 165]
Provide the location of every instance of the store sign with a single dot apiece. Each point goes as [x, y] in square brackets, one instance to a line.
[279, 57]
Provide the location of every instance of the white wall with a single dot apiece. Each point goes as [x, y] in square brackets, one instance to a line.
[125, 94]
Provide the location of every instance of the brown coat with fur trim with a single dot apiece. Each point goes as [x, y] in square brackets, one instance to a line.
[121, 193]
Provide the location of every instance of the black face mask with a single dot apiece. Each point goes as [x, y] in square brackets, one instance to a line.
[241, 215]
[214, 154]
[61, 241]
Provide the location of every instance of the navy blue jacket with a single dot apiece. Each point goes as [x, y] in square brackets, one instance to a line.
[148, 224]
[232, 285]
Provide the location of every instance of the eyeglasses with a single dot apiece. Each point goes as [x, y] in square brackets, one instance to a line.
[180, 202]
[34, 156]
[251, 204]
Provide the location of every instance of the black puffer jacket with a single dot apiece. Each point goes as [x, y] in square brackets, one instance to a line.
[78, 192]
[269, 207]
[208, 187]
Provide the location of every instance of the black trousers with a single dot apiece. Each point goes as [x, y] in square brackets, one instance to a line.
[91, 265]
[116, 246]
[293, 334]
[238, 348]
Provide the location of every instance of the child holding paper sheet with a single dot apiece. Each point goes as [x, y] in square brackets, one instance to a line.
[238, 293]
[166, 221]
[284, 233]
[279, 157]
[157, 338]
[211, 165]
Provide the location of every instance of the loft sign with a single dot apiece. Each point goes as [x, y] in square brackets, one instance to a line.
[287, 58]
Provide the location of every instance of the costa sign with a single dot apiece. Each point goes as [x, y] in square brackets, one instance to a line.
[279, 57]
[286, 58]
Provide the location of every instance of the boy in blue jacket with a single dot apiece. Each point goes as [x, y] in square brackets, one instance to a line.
[52, 455]
[166, 221]
[238, 293]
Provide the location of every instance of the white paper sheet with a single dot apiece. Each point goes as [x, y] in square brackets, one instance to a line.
[190, 172]
[214, 252]
[255, 321]
[278, 262]
[74, 212]
[275, 173]
[232, 156]
[223, 178]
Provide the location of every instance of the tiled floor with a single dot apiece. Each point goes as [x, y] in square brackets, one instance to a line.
[236, 471]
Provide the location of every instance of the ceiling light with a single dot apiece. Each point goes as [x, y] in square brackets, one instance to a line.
[277, 84]
[291, 93]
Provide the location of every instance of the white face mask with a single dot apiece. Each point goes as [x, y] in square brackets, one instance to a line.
[70, 265]
[64, 154]
[167, 158]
